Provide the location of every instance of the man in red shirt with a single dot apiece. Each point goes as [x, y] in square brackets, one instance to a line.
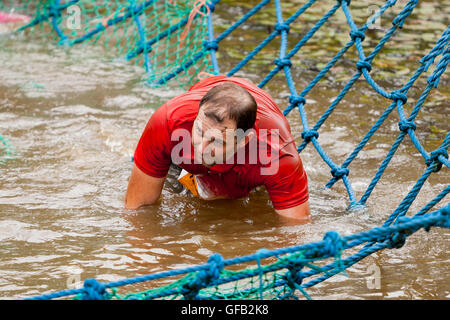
[230, 137]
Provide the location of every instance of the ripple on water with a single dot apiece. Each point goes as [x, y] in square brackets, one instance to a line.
[11, 230]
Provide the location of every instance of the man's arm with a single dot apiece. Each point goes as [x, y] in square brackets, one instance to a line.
[288, 187]
[301, 213]
[142, 189]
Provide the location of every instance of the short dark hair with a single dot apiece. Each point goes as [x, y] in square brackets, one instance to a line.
[230, 101]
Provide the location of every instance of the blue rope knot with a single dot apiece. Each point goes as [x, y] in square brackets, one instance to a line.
[309, 134]
[398, 239]
[211, 6]
[204, 278]
[94, 290]
[333, 244]
[294, 276]
[405, 125]
[445, 211]
[338, 173]
[54, 11]
[363, 64]
[64, 42]
[279, 27]
[282, 62]
[211, 45]
[296, 100]
[397, 95]
[347, 1]
[357, 34]
[146, 47]
[216, 265]
[434, 158]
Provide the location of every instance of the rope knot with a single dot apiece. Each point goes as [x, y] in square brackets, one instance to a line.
[296, 100]
[434, 158]
[64, 42]
[309, 134]
[211, 45]
[405, 125]
[294, 276]
[204, 278]
[94, 290]
[398, 239]
[363, 64]
[397, 95]
[333, 244]
[346, 1]
[216, 265]
[211, 6]
[282, 62]
[147, 47]
[445, 211]
[279, 27]
[338, 173]
[54, 11]
[357, 34]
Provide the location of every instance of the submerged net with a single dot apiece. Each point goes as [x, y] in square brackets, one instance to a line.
[283, 273]
[6, 150]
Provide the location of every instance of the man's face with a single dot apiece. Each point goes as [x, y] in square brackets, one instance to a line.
[214, 142]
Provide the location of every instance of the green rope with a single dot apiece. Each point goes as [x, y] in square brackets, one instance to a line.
[6, 150]
[262, 284]
[122, 28]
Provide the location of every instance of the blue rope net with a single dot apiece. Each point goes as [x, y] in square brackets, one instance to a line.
[292, 270]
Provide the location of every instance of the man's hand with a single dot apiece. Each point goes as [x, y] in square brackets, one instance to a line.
[142, 189]
[300, 213]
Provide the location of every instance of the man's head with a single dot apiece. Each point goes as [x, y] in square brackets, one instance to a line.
[223, 110]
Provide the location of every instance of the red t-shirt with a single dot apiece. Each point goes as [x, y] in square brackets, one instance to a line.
[287, 185]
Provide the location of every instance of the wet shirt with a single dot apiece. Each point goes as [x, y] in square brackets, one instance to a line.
[276, 164]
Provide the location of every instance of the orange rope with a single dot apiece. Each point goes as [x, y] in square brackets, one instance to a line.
[195, 10]
[105, 20]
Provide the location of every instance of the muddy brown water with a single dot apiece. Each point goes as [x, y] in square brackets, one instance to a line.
[74, 117]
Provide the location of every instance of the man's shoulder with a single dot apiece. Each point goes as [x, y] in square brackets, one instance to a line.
[182, 109]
